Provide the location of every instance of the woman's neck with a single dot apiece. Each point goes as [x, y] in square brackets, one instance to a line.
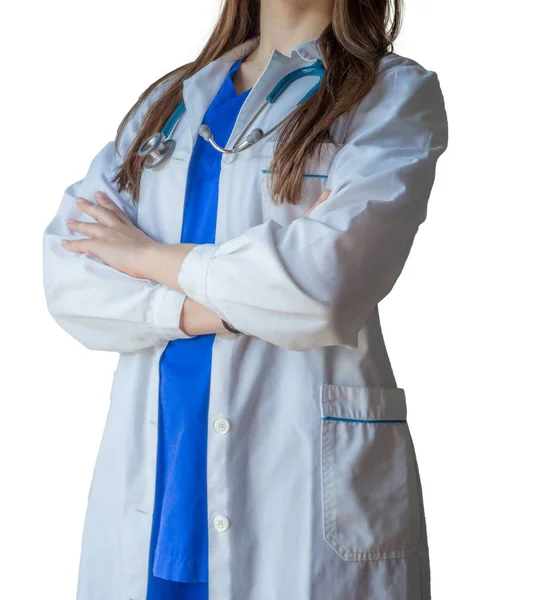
[287, 23]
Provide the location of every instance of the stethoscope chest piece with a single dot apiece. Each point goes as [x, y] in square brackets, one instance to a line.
[156, 148]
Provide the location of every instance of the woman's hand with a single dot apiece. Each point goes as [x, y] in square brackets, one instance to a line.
[326, 193]
[114, 238]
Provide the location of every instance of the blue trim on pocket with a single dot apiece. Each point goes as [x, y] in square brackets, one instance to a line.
[318, 176]
[363, 420]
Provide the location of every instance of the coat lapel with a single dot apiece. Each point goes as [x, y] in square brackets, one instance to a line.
[200, 89]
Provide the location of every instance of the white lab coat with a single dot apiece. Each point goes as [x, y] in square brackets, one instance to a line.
[317, 473]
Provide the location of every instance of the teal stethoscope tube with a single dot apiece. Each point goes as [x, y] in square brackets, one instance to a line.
[160, 145]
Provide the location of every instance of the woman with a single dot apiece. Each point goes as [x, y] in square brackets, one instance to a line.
[256, 446]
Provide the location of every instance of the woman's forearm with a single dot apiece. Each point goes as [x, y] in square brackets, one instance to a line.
[197, 319]
[162, 263]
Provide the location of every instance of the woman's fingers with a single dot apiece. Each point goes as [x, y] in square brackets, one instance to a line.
[92, 230]
[86, 245]
[324, 195]
[107, 202]
[99, 213]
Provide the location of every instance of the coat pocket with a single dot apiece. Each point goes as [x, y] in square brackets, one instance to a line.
[370, 492]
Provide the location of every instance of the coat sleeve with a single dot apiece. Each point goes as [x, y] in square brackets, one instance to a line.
[316, 281]
[99, 306]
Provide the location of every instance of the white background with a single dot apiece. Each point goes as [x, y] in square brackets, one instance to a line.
[470, 325]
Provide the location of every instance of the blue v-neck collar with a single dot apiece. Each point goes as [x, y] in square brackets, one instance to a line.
[228, 92]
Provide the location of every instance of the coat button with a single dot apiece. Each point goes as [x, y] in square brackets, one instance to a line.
[221, 523]
[221, 426]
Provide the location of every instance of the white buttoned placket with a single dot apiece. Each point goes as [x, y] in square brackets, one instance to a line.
[221, 521]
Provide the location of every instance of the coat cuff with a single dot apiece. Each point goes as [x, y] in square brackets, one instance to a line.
[193, 274]
[167, 309]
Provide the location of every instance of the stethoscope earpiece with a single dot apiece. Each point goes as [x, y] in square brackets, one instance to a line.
[255, 136]
[205, 132]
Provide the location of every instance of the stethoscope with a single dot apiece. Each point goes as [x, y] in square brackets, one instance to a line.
[160, 146]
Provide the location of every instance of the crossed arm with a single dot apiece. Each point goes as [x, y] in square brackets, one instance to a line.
[113, 238]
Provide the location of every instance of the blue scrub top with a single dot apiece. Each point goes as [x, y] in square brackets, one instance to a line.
[178, 561]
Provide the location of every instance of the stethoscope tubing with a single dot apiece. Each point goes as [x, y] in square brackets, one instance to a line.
[157, 147]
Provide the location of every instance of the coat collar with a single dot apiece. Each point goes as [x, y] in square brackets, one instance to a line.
[199, 89]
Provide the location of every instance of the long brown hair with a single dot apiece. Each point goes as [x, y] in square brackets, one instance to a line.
[361, 32]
